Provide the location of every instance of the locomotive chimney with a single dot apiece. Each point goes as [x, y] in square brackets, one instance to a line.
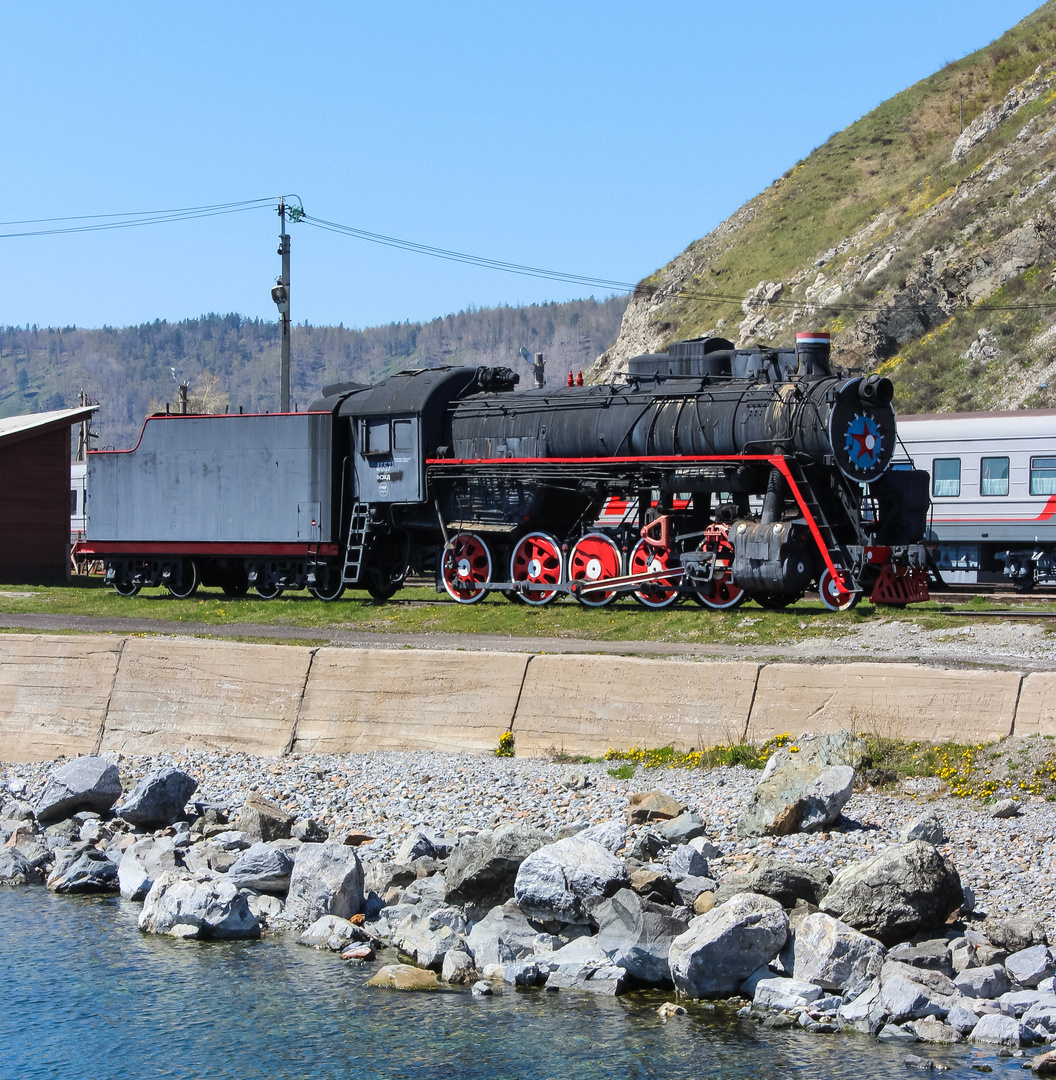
[812, 352]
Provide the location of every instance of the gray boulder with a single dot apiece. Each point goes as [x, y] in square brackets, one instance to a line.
[785, 882]
[804, 791]
[557, 882]
[864, 1012]
[607, 981]
[86, 783]
[961, 1018]
[458, 968]
[725, 945]
[429, 938]
[983, 982]
[782, 993]
[333, 933]
[481, 869]
[159, 798]
[612, 835]
[143, 863]
[198, 906]
[327, 879]
[796, 795]
[682, 829]
[16, 869]
[1014, 933]
[502, 936]
[926, 827]
[933, 955]
[262, 819]
[833, 955]
[903, 999]
[1022, 1001]
[262, 868]
[686, 861]
[1005, 808]
[892, 895]
[309, 831]
[995, 1029]
[636, 935]
[88, 872]
[1030, 966]
[1041, 1016]
[207, 855]
[933, 1030]
[424, 843]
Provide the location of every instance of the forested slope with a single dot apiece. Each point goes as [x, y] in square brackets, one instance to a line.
[229, 361]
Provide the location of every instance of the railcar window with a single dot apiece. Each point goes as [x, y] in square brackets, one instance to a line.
[1043, 476]
[402, 435]
[73, 500]
[946, 477]
[993, 476]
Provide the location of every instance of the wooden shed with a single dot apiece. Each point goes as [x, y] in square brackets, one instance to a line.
[35, 495]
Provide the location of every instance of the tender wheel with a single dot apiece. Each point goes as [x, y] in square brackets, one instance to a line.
[188, 582]
[648, 559]
[328, 585]
[234, 583]
[536, 559]
[595, 557]
[722, 594]
[380, 587]
[124, 587]
[776, 601]
[833, 595]
[269, 590]
[466, 568]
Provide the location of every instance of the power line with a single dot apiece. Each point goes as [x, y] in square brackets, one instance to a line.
[128, 220]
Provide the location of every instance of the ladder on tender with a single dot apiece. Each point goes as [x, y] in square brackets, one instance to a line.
[358, 530]
[837, 552]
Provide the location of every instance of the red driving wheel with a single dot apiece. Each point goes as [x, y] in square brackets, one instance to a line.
[649, 559]
[466, 568]
[595, 557]
[721, 594]
[537, 560]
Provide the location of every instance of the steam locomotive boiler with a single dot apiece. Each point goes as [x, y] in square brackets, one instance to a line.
[707, 471]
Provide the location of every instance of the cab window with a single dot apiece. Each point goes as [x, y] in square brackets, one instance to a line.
[946, 478]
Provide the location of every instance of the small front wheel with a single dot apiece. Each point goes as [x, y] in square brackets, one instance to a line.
[834, 595]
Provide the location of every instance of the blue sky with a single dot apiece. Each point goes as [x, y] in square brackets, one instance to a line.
[594, 138]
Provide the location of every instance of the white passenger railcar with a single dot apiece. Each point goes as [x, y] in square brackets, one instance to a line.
[993, 493]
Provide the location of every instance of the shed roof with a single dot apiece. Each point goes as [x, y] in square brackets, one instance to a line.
[16, 428]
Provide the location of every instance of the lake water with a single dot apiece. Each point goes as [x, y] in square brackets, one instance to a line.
[85, 994]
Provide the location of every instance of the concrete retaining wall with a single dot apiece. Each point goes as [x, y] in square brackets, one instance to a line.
[69, 695]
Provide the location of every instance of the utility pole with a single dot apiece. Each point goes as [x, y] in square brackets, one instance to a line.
[281, 295]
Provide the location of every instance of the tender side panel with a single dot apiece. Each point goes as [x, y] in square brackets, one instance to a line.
[220, 479]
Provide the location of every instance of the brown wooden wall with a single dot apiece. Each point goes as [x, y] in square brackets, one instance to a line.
[35, 508]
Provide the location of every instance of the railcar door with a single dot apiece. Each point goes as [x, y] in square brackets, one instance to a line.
[388, 459]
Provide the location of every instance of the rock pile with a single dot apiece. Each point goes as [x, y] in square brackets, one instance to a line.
[888, 944]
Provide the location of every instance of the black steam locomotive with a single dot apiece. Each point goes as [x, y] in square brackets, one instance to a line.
[708, 471]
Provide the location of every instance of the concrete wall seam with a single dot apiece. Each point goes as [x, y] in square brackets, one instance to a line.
[516, 704]
[1015, 708]
[751, 704]
[300, 702]
[109, 697]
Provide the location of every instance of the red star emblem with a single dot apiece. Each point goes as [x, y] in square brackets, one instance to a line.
[862, 439]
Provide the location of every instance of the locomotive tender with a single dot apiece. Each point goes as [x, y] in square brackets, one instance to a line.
[708, 471]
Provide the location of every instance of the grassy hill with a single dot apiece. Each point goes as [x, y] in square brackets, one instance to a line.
[229, 361]
[925, 250]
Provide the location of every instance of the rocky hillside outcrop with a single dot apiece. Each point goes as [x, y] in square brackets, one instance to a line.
[926, 250]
